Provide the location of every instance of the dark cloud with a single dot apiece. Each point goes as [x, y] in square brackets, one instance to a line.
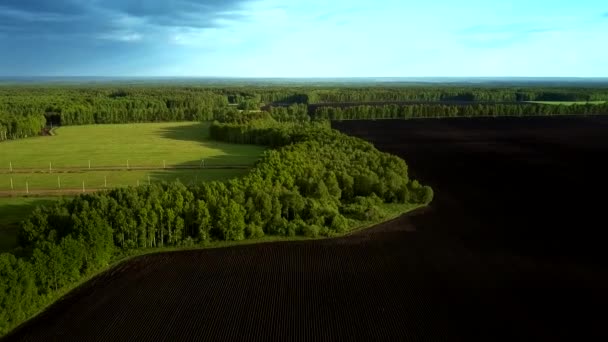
[103, 18]
[99, 36]
[42, 6]
[182, 13]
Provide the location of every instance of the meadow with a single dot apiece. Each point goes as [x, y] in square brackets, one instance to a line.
[147, 144]
[32, 182]
[106, 156]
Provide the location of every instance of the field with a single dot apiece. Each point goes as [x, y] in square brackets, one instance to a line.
[96, 180]
[513, 246]
[147, 144]
[105, 156]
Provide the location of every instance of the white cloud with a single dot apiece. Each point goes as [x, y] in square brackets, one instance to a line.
[34, 16]
[122, 36]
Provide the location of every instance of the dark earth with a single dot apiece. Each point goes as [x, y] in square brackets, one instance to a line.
[512, 248]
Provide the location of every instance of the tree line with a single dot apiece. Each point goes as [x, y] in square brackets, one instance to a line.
[80, 106]
[315, 182]
[439, 111]
[20, 126]
[22, 108]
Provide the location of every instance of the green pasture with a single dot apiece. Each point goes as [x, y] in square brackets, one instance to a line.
[110, 179]
[147, 144]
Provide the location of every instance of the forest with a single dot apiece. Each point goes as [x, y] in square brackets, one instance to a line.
[14, 126]
[394, 111]
[315, 182]
[25, 110]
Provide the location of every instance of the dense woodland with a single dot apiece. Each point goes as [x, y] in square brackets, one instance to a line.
[316, 182]
[22, 108]
[394, 111]
[14, 126]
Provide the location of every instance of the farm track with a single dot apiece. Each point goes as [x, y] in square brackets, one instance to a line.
[124, 168]
[512, 248]
[42, 193]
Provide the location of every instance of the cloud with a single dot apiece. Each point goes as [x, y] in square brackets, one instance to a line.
[26, 16]
[111, 19]
[40, 6]
[183, 13]
[122, 36]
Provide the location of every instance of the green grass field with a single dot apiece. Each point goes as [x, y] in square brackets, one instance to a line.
[146, 144]
[567, 103]
[110, 179]
[149, 145]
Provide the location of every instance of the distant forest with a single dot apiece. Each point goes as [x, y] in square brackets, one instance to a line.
[25, 110]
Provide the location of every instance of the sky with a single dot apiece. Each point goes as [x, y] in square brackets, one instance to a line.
[304, 38]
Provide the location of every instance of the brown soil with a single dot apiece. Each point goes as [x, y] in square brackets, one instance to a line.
[511, 249]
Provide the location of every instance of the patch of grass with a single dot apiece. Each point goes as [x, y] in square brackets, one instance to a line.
[113, 179]
[12, 211]
[568, 103]
[147, 144]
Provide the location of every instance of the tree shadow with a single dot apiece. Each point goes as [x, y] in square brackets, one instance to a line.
[195, 132]
[216, 168]
[13, 210]
[231, 161]
[228, 153]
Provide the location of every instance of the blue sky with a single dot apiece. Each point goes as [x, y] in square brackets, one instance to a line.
[311, 38]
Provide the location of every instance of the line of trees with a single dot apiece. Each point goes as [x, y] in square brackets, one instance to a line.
[456, 93]
[316, 182]
[438, 110]
[22, 108]
[20, 126]
[408, 92]
[295, 112]
[80, 106]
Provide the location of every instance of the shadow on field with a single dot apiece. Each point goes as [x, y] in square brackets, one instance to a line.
[229, 154]
[13, 211]
[218, 168]
[195, 132]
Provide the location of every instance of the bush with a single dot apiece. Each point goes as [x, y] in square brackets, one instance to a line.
[311, 230]
[427, 194]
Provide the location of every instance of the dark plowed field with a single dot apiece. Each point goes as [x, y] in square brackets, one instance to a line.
[513, 248]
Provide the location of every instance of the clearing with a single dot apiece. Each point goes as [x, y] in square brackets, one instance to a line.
[105, 156]
[146, 144]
